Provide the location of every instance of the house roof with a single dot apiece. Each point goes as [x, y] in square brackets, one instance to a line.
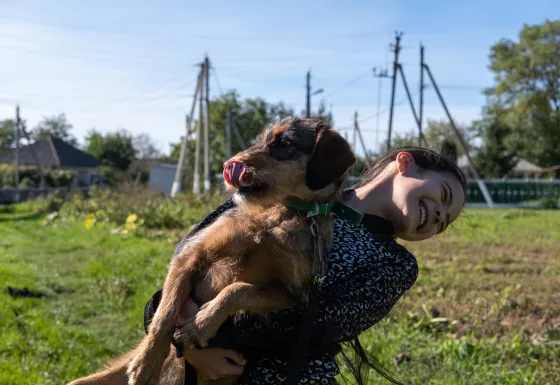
[522, 165]
[52, 152]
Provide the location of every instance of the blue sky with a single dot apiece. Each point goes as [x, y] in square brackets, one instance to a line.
[132, 64]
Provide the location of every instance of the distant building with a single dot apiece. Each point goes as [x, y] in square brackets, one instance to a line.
[522, 169]
[162, 177]
[53, 152]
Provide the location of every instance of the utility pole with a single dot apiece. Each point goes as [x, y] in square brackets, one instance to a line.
[16, 158]
[420, 137]
[357, 130]
[308, 95]
[207, 126]
[34, 154]
[479, 181]
[396, 50]
[238, 136]
[421, 107]
[354, 131]
[184, 155]
[228, 134]
[379, 74]
[196, 177]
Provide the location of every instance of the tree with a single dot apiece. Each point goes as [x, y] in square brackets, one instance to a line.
[403, 140]
[113, 149]
[145, 146]
[527, 90]
[323, 114]
[439, 132]
[449, 149]
[7, 134]
[56, 126]
[250, 116]
[495, 158]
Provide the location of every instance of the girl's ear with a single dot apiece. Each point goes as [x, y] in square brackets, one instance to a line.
[405, 161]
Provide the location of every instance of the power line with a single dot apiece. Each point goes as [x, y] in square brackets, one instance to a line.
[89, 28]
[348, 84]
[217, 80]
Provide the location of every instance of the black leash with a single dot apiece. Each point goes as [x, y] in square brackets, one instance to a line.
[319, 269]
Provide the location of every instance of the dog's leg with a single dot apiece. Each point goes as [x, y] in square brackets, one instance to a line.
[233, 298]
[146, 366]
[115, 373]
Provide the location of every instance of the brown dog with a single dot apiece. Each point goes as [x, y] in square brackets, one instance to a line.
[256, 257]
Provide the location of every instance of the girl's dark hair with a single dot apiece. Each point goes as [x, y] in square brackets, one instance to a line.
[424, 158]
[355, 357]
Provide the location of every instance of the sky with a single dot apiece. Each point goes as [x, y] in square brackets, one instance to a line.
[132, 64]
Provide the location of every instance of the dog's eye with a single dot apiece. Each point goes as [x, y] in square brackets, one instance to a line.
[282, 143]
[282, 149]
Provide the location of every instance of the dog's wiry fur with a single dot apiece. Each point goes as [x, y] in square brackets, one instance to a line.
[256, 257]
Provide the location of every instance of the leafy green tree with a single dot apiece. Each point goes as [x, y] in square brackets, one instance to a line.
[7, 134]
[250, 117]
[495, 158]
[449, 149]
[57, 126]
[527, 89]
[440, 133]
[437, 135]
[113, 149]
[403, 140]
[145, 146]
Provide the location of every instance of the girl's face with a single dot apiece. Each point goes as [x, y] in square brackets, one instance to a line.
[425, 202]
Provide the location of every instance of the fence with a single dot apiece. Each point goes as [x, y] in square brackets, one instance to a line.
[514, 190]
[508, 191]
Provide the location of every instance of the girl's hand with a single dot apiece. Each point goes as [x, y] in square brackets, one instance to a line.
[214, 363]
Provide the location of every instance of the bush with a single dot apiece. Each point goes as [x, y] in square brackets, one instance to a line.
[29, 176]
[548, 203]
[109, 175]
[153, 210]
[48, 203]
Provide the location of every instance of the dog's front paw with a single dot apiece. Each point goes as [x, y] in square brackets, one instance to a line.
[189, 335]
[145, 368]
[199, 329]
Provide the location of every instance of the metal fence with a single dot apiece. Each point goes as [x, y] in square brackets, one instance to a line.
[514, 190]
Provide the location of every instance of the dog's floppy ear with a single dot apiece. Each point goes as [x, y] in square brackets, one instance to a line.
[330, 160]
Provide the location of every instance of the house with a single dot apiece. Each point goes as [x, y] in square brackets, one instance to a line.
[53, 152]
[522, 169]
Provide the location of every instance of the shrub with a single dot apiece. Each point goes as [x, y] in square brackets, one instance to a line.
[152, 210]
[29, 176]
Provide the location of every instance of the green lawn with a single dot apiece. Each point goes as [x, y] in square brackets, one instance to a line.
[485, 309]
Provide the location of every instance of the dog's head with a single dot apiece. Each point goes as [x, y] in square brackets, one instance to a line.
[296, 157]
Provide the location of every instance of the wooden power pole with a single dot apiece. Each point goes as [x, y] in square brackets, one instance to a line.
[184, 155]
[207, 125]
[396, 50]
[16, 157]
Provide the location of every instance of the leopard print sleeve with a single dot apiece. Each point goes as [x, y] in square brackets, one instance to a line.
[367, 275]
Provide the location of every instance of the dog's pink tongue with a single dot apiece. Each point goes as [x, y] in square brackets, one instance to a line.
[237, 171]
[234, 173]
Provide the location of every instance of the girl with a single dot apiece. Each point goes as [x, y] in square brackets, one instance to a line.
[408, 193]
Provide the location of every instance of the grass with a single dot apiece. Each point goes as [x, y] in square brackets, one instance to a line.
[485, 308]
